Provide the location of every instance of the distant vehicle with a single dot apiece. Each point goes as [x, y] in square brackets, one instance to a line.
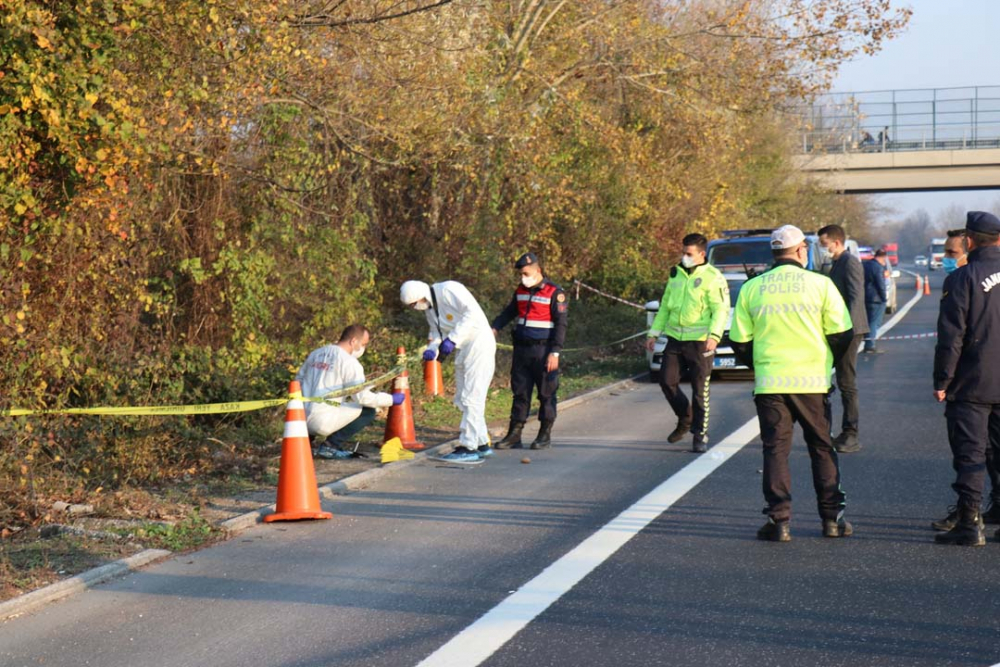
[892, 252]
[890, 289]
[725, 357]
[936, 252]
[866, 252]
[749, 250]
[920, 260]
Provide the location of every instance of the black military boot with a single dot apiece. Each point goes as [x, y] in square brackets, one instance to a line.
[992, 513]
[513, 438]
[775, 531]
[968, 532]
[699, 444]
[949, 521]
[544, 438]
[838, 527]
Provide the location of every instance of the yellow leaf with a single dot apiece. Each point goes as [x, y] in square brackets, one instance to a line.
[91, 98]
[42, 41]
[20, 208]
[102, 154]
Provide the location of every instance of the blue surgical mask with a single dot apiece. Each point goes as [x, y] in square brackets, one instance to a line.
[949, 264]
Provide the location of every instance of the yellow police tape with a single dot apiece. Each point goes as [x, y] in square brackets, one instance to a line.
[504, 346]
[207, 408]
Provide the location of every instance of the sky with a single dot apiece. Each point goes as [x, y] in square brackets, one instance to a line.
[948, 43]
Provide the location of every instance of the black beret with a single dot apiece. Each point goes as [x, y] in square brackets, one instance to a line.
[527, 259]
[982, 222]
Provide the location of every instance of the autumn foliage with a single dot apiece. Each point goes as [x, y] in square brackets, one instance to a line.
[193, 193]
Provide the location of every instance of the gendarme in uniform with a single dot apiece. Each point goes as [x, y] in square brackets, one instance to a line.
[790, 325]
[539, 309]
[965, 369]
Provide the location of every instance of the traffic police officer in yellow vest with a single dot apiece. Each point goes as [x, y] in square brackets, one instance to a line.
[790, 326]
[693, 314]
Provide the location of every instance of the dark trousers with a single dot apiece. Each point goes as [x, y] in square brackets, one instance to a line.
[527, 373]
[337, 439]
[970, 428]
[690, 355]
[876, 311]
[777, 414]
[993, 459]
[847, 383]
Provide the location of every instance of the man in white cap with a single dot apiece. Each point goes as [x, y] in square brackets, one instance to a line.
[790, 326]
[457, 322]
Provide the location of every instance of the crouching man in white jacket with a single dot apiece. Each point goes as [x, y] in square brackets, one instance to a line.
[334, 367]
[457, 322]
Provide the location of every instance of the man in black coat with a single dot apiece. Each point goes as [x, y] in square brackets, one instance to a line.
[849, 277]
[965, 372]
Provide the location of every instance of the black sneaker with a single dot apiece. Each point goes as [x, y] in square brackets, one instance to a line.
[679, 433]
[775, 531]
[948, 522]
[837, 528]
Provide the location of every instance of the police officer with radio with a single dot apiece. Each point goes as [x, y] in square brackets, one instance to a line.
[539, 309]
[791, 326]
[964, 370]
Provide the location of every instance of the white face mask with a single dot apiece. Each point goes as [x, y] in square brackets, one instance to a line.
[688, 262]
[530, 281]
[357, 353]
[421, 305]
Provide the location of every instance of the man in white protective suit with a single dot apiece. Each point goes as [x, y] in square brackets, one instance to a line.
[334, 367]
[457, 322]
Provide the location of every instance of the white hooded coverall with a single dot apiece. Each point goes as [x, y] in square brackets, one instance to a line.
[328, 369]
[459, 317]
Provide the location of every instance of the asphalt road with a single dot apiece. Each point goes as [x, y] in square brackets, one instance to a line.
[405, 567]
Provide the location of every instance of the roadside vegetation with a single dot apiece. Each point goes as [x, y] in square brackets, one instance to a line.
[194, 194]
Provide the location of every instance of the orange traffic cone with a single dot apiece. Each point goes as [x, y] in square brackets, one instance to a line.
[298, 496]
[399, 423]
[433, 379]
[927, 286]
[920, 283]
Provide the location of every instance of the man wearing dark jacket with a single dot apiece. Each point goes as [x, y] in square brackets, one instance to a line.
[875, 296]
[964, 370]
[849, 277]
[539, 310]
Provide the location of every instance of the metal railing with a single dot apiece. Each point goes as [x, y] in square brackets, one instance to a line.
[902, 120]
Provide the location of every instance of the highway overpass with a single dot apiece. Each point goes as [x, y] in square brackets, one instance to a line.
[903, 140]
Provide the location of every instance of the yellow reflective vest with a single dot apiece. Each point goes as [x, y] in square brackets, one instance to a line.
[695, 305]
[788, 312]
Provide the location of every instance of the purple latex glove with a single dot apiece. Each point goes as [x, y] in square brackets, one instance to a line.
[430, 355]
[398, 398]
[447, 347]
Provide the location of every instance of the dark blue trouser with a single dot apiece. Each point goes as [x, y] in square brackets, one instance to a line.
[876, 311]
[337, 439]
[969, 426]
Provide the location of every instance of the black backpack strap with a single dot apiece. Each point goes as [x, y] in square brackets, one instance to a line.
[437, 313]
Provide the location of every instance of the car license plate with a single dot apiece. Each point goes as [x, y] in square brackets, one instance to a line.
[724, 362]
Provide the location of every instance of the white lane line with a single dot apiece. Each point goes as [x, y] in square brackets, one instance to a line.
[900, 314]
[484, 637]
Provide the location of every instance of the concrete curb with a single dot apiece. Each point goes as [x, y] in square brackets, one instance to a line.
[30, 601]
[360, 480]
[81, 582]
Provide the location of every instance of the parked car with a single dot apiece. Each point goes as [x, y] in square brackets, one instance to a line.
[920, 260]
[890, 289]
[725, 357]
